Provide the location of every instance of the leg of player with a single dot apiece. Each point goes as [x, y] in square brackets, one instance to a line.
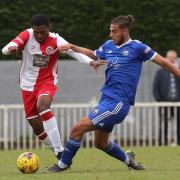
[73, 144]
[102, 142]
[111, 148]
[50, 123]
[39, 131]
[30, 108]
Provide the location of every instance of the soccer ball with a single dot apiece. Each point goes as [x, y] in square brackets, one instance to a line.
[28, 162]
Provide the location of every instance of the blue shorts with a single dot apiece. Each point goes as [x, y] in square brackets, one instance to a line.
[108, 113]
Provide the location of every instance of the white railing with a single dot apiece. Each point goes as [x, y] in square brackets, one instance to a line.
[140, 128]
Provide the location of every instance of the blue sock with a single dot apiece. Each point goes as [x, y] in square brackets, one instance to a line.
[70, 149]
[115, 151]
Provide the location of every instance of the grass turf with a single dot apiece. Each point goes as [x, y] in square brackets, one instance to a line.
[162, 163]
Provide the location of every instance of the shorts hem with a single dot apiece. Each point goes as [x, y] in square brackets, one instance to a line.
[32, 117]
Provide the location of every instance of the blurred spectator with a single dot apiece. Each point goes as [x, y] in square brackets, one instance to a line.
[167, 89]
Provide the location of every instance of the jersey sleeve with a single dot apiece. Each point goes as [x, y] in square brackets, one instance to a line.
[21, 39]
[78, 56]
[145, 52]
[61, 41]
[100, 53]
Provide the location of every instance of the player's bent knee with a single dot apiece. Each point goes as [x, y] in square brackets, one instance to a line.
[100, 146]
[81, 127]
[38, 131]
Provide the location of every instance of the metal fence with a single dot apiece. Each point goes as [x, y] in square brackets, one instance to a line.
[141, 127]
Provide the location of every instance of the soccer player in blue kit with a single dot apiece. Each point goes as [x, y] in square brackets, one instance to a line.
[125, 58]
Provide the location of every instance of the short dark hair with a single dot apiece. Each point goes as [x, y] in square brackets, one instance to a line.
[40, 19]
[123, 21]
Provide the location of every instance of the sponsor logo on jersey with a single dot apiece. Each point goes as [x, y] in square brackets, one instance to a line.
[49, 50]
[40, 60]
[114, 63]
[115, 60]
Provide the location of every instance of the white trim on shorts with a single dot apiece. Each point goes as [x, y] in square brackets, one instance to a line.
[108, 113]
[45, 111]
[32, 117]
[43, 95]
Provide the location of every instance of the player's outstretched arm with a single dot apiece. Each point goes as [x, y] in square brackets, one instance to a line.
[158, 59]
[79, 49]
[11, 48]
[17, 44]
[81, 54]
[82, 58]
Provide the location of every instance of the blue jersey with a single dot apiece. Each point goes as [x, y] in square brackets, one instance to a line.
[124, 68]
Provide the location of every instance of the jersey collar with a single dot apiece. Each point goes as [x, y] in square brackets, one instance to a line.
[124, 43]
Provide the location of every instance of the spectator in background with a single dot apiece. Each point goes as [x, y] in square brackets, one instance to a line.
[167, 89]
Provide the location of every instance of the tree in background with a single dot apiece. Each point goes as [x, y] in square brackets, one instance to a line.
[85, 22]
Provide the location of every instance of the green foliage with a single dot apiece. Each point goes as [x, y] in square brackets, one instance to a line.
[86, 22]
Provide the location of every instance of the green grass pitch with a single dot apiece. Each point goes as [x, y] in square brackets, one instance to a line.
[162, 163]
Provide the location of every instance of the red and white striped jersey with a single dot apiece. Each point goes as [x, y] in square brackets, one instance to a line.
[39, 61]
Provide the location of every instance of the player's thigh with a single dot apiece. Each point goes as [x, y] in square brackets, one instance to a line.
[45, 96]
[29, 100]
[82, 126]
[44, 102]
[101, 139]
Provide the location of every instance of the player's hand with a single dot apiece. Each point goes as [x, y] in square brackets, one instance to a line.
[13, 50]
[96, 64]
[65, 47]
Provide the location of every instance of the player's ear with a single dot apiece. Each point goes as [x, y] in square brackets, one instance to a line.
[49, 27]
[125, 31]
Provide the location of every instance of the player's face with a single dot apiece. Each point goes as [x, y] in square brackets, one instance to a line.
[116, 34]
[40, 32]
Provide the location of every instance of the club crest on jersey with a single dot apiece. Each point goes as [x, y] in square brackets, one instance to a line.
[49, 50]
[125, 53]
